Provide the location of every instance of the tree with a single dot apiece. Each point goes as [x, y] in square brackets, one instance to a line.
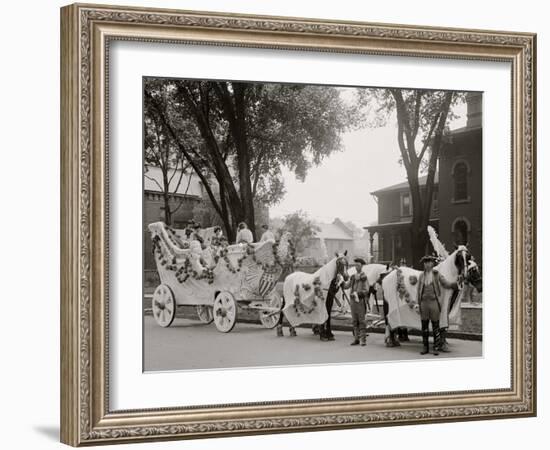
[238, 136]
[422, 117]
[301, 227]
[160, 151]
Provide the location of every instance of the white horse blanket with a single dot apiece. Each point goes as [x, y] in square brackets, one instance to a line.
[302, 303]
[400, 291]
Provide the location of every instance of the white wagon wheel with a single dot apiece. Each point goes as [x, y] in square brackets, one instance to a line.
[164, 305]
[204, 313]
[268, 319]
[225, 312]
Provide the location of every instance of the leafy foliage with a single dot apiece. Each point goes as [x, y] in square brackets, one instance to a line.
[301, 227]
[422, 122]
[238, 136]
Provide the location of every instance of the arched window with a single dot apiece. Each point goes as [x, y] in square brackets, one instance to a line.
[460, 175]
[461, 230]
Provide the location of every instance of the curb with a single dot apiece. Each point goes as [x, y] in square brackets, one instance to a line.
[381, 330]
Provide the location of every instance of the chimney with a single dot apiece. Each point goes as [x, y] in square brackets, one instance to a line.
[474, 108]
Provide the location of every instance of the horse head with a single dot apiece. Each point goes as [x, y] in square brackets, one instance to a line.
[474, 275]
[342, 264]
[462, 258]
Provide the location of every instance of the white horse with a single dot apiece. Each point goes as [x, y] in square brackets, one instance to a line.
[400, 291]
[302, 292]
[375, 273]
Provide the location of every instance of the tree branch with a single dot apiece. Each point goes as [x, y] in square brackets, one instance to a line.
[426, 143]
[154, 181]
[186, 155]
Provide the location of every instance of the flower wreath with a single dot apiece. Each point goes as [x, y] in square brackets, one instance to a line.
[402, 290]
[167, 258]
[299, 306]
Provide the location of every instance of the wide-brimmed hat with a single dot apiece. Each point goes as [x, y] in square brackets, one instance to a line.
[360, 260]
[428, 258]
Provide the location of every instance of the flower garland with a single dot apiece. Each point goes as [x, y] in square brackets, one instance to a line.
[163, 252]
[183, 270]
[402, 289]
[290, 260]
[299, 306]
[167, 258]
[175, 239]
[223, 254]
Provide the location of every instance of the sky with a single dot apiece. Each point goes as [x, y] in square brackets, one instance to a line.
[341, 185]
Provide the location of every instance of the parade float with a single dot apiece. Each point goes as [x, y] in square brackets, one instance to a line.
[218, 280]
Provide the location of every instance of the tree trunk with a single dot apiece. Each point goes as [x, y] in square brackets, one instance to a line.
[420, 239]
[166, 196]
[167, 212]
[243, 157]
[227, 219]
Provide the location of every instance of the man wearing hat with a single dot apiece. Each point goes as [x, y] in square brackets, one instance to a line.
[429, 293]
[358, 285]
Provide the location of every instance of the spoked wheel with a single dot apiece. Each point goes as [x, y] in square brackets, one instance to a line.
[164, 305]
[205, 313]
[225, 312]
[268, 319]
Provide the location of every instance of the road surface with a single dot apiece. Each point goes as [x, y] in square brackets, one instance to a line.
[191, 345]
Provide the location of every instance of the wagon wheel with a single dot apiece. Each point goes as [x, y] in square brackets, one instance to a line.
[268, 319]
[225, 312]
[164, 305]
[205, 313]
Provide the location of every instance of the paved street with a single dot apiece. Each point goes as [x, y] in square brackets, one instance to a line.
[189, 344]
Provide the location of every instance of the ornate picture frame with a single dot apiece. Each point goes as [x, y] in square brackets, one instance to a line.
[86, 31]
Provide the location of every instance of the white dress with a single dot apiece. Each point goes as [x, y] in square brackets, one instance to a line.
[244, 235]
[267, 236]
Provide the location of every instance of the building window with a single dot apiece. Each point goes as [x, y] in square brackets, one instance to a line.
[435, 202]
[460, 175]
[406, 207]
[461, 229]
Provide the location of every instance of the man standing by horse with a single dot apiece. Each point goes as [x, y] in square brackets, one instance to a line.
[430, 282]
[358, 285]
[325, 330]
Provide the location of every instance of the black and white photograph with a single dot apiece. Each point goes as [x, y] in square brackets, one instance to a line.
[296, 224]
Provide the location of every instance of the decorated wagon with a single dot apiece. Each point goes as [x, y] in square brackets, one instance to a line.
[217, 280]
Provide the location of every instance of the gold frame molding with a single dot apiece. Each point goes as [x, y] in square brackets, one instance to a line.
[86, 31]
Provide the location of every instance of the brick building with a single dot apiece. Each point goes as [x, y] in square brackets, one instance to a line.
[189, 201]
[182, 201]
[457, 203]
[461, 169]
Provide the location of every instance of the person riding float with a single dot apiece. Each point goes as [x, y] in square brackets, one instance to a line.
[218, 239]
[244, 235]
[267, 234]
[430, 282]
